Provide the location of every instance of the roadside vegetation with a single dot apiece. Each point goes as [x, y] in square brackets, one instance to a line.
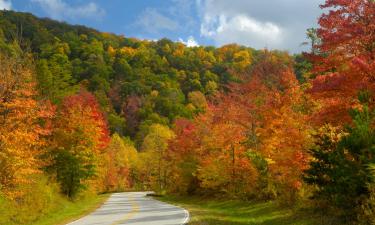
[211, 211]
[43, 204]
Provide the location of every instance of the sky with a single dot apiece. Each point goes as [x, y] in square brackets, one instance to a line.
[272, 24]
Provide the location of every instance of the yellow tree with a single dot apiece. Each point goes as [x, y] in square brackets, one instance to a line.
[120, 159]
[153, 151]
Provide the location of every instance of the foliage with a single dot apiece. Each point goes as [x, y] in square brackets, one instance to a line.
[80, 134]
[340, 167]
[21, 131]
[344, 60]
[42, 204]
[153, 154]
[367, 208]
[39, 197]
[121, 157]
[212, 211]
[119, 70]
[264, 117]
[343, 68]
[97, 111]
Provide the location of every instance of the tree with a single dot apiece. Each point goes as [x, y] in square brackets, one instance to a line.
[345, 61]
[242, 60]
[340, 167]
[79, 137]
[312, 35]
[24, 124]
[277, 132]
[54, 72]
[120, 161]
[198, 100]
[155, 144]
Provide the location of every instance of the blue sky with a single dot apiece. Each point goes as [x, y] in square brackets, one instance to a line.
[274, 24]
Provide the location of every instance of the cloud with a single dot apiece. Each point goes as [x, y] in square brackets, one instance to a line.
[4, 4]
[275, 24]
[153, 21]
[241, 29]
[190, 42]
[59, 9]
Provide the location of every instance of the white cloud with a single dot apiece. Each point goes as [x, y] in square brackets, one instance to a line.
[153, 21]
[4, 4]
[59, 9]
[275, 24]
[190, 42]
[241, 29]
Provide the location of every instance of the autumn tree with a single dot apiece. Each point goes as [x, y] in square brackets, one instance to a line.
[154, 147]
[345, 63]
[23, 122]
[277, 135]
[79, 137]
[120, 159]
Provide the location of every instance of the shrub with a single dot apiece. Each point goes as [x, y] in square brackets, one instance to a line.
[38, 198]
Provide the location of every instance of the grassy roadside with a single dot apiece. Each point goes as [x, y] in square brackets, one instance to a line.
[232, 212]
[69, 211]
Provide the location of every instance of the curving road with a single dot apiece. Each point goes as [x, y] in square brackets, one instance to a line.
[136, 209]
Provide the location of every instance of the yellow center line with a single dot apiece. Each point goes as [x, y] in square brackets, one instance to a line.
[129, 215]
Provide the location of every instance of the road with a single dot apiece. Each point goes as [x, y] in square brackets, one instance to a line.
[136, 209]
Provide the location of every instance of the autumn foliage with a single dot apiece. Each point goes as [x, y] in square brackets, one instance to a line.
[24, 124]
[257, 131]
[102, 113]
[80, 135]
[345, 61]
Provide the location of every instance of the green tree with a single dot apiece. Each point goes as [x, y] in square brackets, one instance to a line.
[340, 169]
[54, 72]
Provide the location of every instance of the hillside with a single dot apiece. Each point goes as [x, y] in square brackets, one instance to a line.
[136, 82]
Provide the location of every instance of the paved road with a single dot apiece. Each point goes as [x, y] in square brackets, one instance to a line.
[136, 209]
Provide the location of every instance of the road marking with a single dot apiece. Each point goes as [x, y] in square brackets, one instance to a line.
[187, 216]
[129, 215]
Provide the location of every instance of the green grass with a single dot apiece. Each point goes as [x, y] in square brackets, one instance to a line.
[69, 211]
[233, 212]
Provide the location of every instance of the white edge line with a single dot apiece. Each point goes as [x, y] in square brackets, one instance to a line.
[187, 214]
[187, 217]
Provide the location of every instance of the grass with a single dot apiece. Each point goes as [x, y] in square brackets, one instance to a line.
[69, 211]
[234, 212]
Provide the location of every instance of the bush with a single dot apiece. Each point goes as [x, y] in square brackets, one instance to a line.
[367, 208]
[37, 199]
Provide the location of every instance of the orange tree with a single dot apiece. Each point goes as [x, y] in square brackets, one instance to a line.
[24, 124]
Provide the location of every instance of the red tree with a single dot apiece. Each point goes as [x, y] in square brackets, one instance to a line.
[346, 60]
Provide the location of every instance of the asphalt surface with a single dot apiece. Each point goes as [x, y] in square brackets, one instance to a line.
[135, 208]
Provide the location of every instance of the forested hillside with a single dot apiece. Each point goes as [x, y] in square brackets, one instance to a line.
[95, 107]
[85, 111]
[133, 80]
